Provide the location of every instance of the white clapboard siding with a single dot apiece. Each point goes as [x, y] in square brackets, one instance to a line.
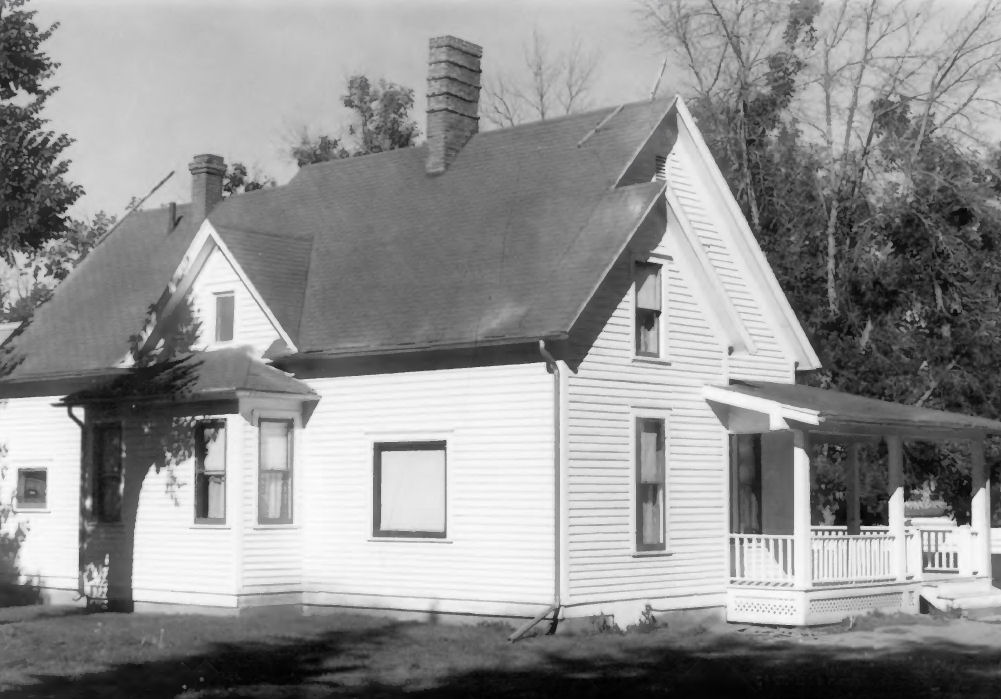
[38, 435]
[497, 423]
[176, 560]
[769, 362]
[251, 325]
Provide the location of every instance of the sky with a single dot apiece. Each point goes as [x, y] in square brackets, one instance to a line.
[146, 84]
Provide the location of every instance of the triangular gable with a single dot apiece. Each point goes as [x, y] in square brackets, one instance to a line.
[205, 245]
[759, 273]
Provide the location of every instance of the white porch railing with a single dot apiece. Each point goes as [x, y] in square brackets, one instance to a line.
[762, 559]
[940, 550]
[847, 558]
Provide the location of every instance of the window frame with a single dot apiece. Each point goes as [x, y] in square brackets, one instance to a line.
[219, 296]
[97, 510]
[662, 263]
[638, 418]
[416, 445]
[199, 428]
[290, 461]
[19, 493]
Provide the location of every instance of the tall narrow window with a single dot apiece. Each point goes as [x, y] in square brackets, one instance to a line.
[409, 489]
[31, 487]
[650, 485]
[210, 471]
[224, 309]
[275, 472]
[648, 309]
[108, 472]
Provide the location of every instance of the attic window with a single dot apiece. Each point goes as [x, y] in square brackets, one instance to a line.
[660, 168]
[224, 308]
[649, 301]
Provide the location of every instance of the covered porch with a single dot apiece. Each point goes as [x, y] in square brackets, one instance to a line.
[787, 569]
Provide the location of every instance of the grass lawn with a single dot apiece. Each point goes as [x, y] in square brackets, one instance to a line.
[47, 653]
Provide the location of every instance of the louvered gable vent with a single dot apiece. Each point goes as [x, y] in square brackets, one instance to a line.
[660, 168]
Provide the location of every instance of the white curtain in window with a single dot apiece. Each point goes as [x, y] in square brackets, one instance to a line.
[215, 447]
[648, 286]
[274, 446]
[651, 452]
[412, 498]
[275, 470]
[651, 513]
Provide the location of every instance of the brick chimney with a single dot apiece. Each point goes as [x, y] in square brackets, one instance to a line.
[206, 185]
[453, 99]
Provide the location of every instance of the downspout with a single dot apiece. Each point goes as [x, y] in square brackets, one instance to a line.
[553, 367]
[81, 593]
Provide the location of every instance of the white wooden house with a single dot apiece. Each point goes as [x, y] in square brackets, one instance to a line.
[540, 368]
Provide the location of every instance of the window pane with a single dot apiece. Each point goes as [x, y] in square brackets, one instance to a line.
[31, 487]
[647, 333]
[274, 445]
[648, 286]
[412, 497]
[651, 514]
[224, 305]
[211, 446]
[651, 451]
[108, 473]
[274, 496]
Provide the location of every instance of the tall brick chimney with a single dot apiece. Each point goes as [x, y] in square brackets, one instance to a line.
[453, 99]
[206, 185]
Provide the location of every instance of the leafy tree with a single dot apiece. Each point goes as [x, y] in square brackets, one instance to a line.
[382, 121]
[34, 191]
[239, 179]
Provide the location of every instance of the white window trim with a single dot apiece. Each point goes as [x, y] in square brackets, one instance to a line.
[665, 262]
[374, 438]
[32, 465]
[635, 414]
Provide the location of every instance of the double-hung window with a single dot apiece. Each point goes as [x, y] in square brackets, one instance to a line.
[225, 310]
[31, 488]
[409, 490]
[649, 299]
[651, 485]
[274, 501]
[108, 474]
[210, 471]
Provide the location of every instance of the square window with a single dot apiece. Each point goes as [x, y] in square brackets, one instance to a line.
[409, 489]
[224, 312]
[274, 496]
[31, 487]
[210, 471]
[108, 474]
[648, 302]
[651, 463]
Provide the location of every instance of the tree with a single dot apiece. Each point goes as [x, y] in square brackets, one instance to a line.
[551, 84]
[382, 121]
[239, 179]
[34, 192]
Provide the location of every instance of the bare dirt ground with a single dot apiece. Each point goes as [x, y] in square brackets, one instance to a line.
[66, 653]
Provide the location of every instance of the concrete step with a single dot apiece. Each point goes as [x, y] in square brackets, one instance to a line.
[971, 594]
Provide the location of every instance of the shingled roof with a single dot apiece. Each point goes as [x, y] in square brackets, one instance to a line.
[371, 254]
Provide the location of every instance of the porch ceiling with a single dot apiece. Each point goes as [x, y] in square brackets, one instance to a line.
[748, 407]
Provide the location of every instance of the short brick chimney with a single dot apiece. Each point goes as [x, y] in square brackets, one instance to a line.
[207, 172]
[453, 99]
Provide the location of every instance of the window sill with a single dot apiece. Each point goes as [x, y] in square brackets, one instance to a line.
[270, 527]
[657, 361]
[222, 526]
[653, 554]
[30, 510]
[409, 540]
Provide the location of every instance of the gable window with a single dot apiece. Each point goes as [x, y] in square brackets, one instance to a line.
[108, 474]
[31, 487]
[274, 495]
[409, 489]
[650, 484]
[224, 311]
[649, 299]
[210, 471]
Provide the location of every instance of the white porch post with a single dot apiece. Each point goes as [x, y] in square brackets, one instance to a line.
[980, 511]
[854, 509]
[802, 556]
[895, 459]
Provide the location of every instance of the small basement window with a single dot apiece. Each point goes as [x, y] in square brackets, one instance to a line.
[224, 312]
[31, 487]
[409, 490]
[649, 300]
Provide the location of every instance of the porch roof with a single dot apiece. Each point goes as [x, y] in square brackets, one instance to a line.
[758, 406]
[209, 375]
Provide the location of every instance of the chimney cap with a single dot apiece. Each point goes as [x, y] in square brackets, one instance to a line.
[207, 162]
[454, 42]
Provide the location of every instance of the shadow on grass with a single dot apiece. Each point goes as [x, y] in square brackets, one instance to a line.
[406, 659]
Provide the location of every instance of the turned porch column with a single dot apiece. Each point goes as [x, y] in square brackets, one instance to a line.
[854, 508]
[895, 485]
[802, 556]
[980, 511]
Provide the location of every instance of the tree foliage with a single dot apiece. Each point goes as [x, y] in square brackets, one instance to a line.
[848, 133]
[239, 179]
[34, 191]
[381, 121]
